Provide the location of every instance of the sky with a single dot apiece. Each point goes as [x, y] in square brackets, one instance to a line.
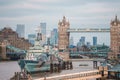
[80, 13]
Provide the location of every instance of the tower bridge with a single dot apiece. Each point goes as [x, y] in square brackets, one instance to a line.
[88, 30]
[64, 31]
[114, 35]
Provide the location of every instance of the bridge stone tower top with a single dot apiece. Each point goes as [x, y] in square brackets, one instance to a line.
[64, 22]
[115, 38]
[63, 36]
[115, 22]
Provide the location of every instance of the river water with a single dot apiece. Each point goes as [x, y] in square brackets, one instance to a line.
[7, 68]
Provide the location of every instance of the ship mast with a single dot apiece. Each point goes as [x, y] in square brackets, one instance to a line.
[38, 37]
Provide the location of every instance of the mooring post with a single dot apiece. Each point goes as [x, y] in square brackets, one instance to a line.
[59, 67]
[63, 65]
[95, 64]
[45, 76]
[51, 67]
[71, 66]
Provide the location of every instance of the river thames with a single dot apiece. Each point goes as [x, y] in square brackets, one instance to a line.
[7, 69]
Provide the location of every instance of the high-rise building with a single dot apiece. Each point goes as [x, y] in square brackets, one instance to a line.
[71, 41]
[78, 44]
[54, 37]
[20, 30]
[88, 44]
[94, 41]
[83, 40]
[115, 38]
[31, 38]
[43, 31]
[63, 35]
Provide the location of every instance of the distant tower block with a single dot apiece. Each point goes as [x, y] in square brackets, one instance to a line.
[94, 41]
[43, 32]
[20, 30]
[63, 37]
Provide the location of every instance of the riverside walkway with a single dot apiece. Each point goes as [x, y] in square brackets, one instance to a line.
[77, 73]
[93, 74]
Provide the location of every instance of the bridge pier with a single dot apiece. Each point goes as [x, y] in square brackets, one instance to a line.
[101, 79]
[3, 50]
[98, 78]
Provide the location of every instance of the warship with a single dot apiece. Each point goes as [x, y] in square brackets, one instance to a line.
[38, 59]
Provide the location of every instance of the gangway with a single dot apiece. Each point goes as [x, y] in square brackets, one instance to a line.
[15, 49]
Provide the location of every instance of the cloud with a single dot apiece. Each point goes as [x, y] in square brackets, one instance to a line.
[80, 13]
[77, 11]
[48, 7]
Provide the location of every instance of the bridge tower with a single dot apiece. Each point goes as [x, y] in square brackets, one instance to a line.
[63, 36]
[3, 49]
[115, 38]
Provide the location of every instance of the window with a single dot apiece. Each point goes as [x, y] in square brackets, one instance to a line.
[118, 56]
[119, 49]
[0, 49]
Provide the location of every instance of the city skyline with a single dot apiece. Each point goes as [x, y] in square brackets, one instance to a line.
[80, 13]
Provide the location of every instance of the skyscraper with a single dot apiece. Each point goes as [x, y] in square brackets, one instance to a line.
[94, 41]
[20, 30]
[54, 37]
[31, 38]
[83, 40]
[88, 44]
[71, 41]
[43, 31]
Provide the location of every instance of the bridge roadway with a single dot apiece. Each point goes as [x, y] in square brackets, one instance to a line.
[93, 74]
[89, 30]
[88, 59]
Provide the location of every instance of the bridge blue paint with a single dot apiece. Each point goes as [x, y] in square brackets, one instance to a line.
[15, 49]
[91, 53]
[16, 53]
[89, 30]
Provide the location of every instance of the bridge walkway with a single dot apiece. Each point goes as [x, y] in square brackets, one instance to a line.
[15, 49]
[80, 30]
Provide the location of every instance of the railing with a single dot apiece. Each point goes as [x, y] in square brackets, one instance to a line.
[89, 30]
[84, 75]
[15, 49]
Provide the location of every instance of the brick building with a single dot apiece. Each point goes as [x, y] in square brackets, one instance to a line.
[13, 39]
[115, 39]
